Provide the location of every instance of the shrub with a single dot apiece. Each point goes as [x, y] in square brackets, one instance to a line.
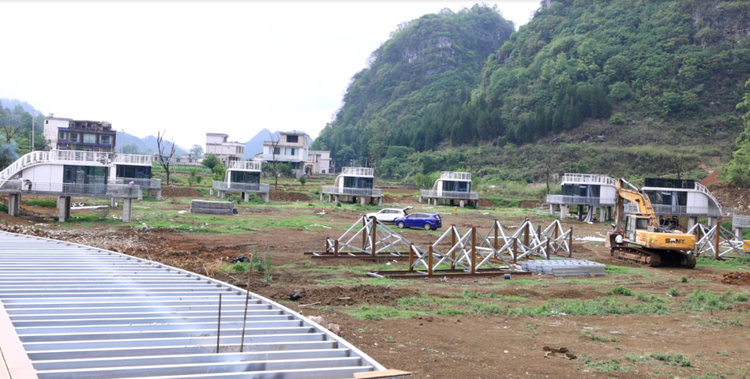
[617, 119]
[622, 290]
[673, 292]
[684, 279]
[302, 180]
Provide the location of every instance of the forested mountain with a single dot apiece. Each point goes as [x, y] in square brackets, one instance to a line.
[416, 83]
[610, 73]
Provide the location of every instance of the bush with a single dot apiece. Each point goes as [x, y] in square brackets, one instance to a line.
[211, 161]
[673, 292]
[617, 119]
[302, 180]
[622, 290]
[684, 279]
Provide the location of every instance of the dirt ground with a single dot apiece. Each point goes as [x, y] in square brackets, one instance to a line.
[454, 346]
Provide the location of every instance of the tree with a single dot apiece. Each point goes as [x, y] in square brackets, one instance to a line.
[166, 153]
[196, 151]
[131, 148]
[211, 160]
[274, 151]
[378, 131]
[737, 170]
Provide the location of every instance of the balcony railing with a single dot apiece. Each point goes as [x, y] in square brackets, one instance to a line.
[245, 165]
[241, 187]
[75, 189]
[352, 191]
[358, 171]
[80, 156]
[451, 175]
[685, 210]
[580, 200]
[450, 194]
[588, 179]
[741, 221]
[142, 182]
[12, 185]
[139, 159]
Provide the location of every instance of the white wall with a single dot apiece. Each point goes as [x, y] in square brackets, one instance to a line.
[607, 194]
[697, 202]
[51, 130]
[43, 174]
[215, 138]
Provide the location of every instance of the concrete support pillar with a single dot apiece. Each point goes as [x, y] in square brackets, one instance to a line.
[476, 204]
[691, 222]
[564, 211]
[158, 194]
[336, 198]
[126, 209]
[246, 196]
[362, 200]
[420, 199]
[712, 221]
[321, 197]
[738, 233]
[461, 203]
[552, 209]
[63, 208]
[380, 201]
[266, 197]
[602, 214]
[13, 199]
[140, 194]
[580, 212]
[211, 192]
[222, 194]
[609, 214]
[113, 202]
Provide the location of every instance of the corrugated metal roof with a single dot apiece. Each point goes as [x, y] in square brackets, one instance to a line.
[83, 312]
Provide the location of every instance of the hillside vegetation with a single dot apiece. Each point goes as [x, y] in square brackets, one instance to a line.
[615, 87]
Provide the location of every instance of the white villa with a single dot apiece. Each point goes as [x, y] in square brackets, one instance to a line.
[585, 191]
[451, 186]
[353, 183]
[242, 177]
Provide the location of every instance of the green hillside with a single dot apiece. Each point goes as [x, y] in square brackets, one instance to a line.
[651, 86]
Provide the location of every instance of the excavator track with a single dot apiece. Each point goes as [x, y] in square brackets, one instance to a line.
[671, 258]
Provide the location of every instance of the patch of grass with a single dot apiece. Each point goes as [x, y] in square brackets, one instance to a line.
[380, 312]
[708, 300]
[649, 298]
[594, 307]
[42, 203]
[610, 269]
[365, 281]
[674, 292]
[490, 295]
[597, 338]
[729, 264]
[622, 290]
[451, 312]
[684, 279]
[672, 359]
[611, 365]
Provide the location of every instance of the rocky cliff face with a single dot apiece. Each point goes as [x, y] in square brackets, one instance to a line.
[718, 21]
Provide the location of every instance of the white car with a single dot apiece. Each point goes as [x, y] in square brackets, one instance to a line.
[389, 214]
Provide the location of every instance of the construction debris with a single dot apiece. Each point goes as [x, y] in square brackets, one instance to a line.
[551, 352]
[212, 207]
[564, 267]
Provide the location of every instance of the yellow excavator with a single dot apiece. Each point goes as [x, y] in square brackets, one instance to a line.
[642, 239]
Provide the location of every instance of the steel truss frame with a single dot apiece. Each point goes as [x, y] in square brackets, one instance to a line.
[716, 245]
[367, 238]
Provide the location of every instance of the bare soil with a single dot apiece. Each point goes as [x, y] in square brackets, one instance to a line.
[462, 346]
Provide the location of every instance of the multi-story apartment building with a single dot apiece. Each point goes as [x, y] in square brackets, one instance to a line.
[226, 151]
[291, 148]
[69, 134]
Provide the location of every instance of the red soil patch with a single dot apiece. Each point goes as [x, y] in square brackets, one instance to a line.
[279, 195]
[737, 278]
[180, 192]
[712, 178]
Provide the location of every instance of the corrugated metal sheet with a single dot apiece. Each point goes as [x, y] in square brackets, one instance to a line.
[82, 312]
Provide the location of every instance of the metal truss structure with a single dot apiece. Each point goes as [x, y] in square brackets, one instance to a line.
[718, 245]
[495, 253]
[368, 238]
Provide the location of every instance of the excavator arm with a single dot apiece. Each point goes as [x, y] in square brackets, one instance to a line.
[640, 199]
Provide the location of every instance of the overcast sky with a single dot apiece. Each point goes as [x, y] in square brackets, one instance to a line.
[192, 67]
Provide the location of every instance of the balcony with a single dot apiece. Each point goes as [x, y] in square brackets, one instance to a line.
[741, 222]
[450, 195]
[588, 179]
[141, 182]
[450, 175]
[358, 171]
[685, 210]
[346, 191]
[579, 200]
[241, 187]
[138, 159]
[245, 166]
[86, 190]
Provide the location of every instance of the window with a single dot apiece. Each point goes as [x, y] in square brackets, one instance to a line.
[292, 139]
[89, 138]
[63, 136]
[105, 139]
[73, 137]
[290, 151]
[275, 150]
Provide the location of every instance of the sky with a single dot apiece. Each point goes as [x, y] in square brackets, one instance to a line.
[192, 67]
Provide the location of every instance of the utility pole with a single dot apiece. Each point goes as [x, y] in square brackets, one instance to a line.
[32, 129]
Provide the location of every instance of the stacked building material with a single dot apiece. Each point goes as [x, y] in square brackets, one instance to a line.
[564, 267]
[212, 207]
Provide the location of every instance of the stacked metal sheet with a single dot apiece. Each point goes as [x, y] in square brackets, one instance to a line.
[212, 207]
[564, 267]
[81, 312]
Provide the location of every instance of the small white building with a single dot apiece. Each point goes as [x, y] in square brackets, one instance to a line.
[227, 152]
[585, 191]
[242, 177]
[291, 148]
[319, 162]
[353, 183]
[451, 186]
[686, 198]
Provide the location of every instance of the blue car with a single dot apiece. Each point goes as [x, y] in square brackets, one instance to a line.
[427, 221]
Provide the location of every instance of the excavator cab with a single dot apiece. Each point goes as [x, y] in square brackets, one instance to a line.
[633, 223]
